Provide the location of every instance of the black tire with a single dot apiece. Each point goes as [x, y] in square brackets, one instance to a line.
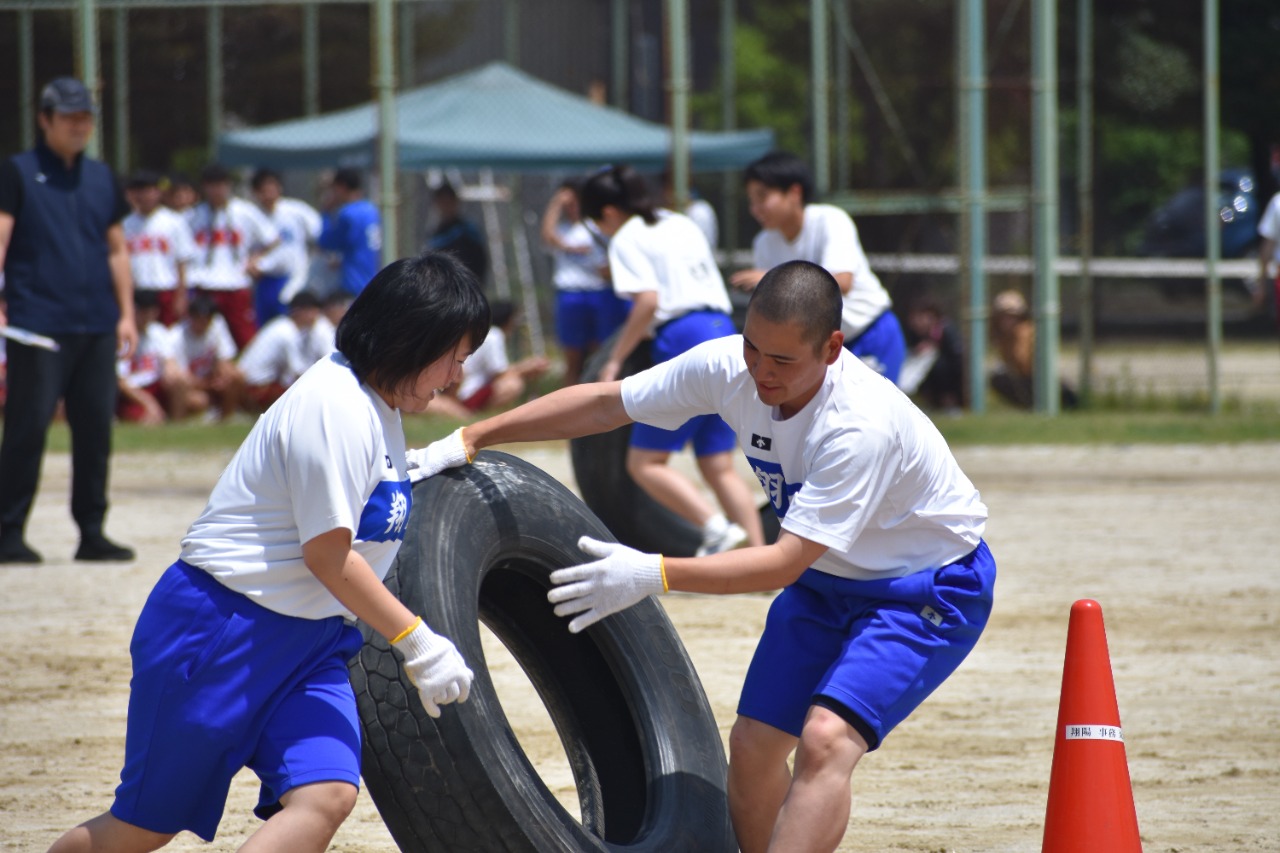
[631, 714]
[634, 518]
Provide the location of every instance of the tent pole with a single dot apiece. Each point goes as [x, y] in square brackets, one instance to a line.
[678, 29]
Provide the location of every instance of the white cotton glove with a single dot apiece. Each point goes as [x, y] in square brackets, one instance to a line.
[620, 578]
[448, 452]
[435, 667]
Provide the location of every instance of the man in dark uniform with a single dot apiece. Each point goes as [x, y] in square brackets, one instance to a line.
[66, 269]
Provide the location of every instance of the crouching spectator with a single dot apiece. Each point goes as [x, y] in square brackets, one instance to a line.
[153, 386]
[489, 379]
[283, 349]
[207, 352]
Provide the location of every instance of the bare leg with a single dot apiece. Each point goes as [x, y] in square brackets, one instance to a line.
[816, 811]
[108, 833]
[573, 359]
[758, 780]
[308, 821]
[667, 486]
[507, 388]
[733, 493]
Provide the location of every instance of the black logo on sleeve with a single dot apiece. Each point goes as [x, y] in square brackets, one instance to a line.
[761, 442]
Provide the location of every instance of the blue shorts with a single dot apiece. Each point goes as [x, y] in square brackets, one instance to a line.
[870, 650]
[220, 683]
[882, 346]
[588, 317]
[266, 298]
[709, 433]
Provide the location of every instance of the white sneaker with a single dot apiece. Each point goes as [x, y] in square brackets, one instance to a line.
[726, 539]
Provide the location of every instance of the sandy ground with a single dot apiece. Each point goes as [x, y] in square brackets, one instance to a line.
[1176, 543]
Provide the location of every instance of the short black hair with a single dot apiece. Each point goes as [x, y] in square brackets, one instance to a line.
[445, 190]
[500, 312]
[413, 312]
[143, 298]
[215, 173]
[142, 179]
[802, 293]
[264, 174]
[349, 178]
[304, 299]
[201, 305]
[619, 186]
[781, 170]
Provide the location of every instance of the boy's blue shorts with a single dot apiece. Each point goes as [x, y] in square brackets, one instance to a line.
[588, 317]
[220, 683]
[709, 433]
[869, 650]
[882, 346]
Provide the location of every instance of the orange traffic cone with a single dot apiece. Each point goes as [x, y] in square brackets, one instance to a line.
[1090, 799]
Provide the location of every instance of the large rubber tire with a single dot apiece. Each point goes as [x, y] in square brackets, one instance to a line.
[633, 719]
[600, 467]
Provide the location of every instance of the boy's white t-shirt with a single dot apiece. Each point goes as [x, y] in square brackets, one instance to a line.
[328, 454]
[671, 257]
[489, 360]
[829, 239]
[298, 224]
[199, 353]
[577, 271]
[156, 344]
[859, 469]
[157, 243]
[280, 352]
[1269, 224]
[225, 239]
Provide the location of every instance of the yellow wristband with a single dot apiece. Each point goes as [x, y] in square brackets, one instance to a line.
[462, 438]
[662, 567]
[407, 631]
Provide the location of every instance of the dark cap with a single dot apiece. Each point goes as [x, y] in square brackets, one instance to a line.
[67, 95]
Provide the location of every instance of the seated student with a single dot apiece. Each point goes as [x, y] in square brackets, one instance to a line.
[1014, 334]
[153, 386]
[935, 365]
[489, 379]
[283, 350]
[207, 352]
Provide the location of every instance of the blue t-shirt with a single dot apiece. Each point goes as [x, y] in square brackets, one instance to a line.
[355, 232]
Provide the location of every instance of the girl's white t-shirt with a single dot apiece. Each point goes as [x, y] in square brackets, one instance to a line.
[328, 454]
[670, 257]
[859, 469]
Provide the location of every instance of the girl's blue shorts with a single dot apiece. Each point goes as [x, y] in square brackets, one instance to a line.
[869, 650]
[709, 433]
[220, 683]
[588, 317]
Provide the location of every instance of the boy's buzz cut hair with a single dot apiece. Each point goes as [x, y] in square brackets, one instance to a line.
[781, 170]
[801, 293]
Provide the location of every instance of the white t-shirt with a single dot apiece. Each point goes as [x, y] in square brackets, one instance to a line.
[829, 239]
[670, 257]
[859, 469]
[198, 354]
[579, 270]
[1269, 225]
[225, 239]
[329, 454]
[489, 360]
[157, 244]
[156, 345]
[281, 352]
[299, 225]
[704, 216]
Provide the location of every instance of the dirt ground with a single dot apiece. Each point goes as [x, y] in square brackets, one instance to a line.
[1176, 543]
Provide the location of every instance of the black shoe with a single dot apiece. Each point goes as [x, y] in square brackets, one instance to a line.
[16, 551]
[100, 549]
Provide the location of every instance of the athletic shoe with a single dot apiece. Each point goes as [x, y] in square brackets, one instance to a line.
[100, 549]
[732, 536]
[14, 550]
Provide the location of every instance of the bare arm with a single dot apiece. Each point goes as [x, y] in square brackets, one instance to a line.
[758, 569]
[350, 578]
[551, 218]
[643, 307]
[569, 412]
[6, 233]
[845, 280]
[122, 282]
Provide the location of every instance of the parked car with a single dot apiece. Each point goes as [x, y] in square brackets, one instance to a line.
[1176, 228]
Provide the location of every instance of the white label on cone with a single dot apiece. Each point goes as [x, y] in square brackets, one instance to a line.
[1094, 732]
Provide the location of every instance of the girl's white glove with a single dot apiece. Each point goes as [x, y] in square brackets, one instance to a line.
[620, 578]
[435, 667]
[448, 452]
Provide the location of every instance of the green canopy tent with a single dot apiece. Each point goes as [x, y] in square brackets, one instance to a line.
[495, 116]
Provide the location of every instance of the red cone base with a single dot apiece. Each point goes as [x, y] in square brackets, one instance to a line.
[1090, 798]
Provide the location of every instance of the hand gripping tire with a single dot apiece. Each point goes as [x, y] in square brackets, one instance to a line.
[600, 467]
[631, 714]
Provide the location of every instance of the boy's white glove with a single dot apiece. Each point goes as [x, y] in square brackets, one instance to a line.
[448, 452]
[435, 667]
[620, 578]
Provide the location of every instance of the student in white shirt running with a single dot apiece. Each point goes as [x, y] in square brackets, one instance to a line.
[886, 581]
[662, 263]
[240, 652]
[779, 191]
